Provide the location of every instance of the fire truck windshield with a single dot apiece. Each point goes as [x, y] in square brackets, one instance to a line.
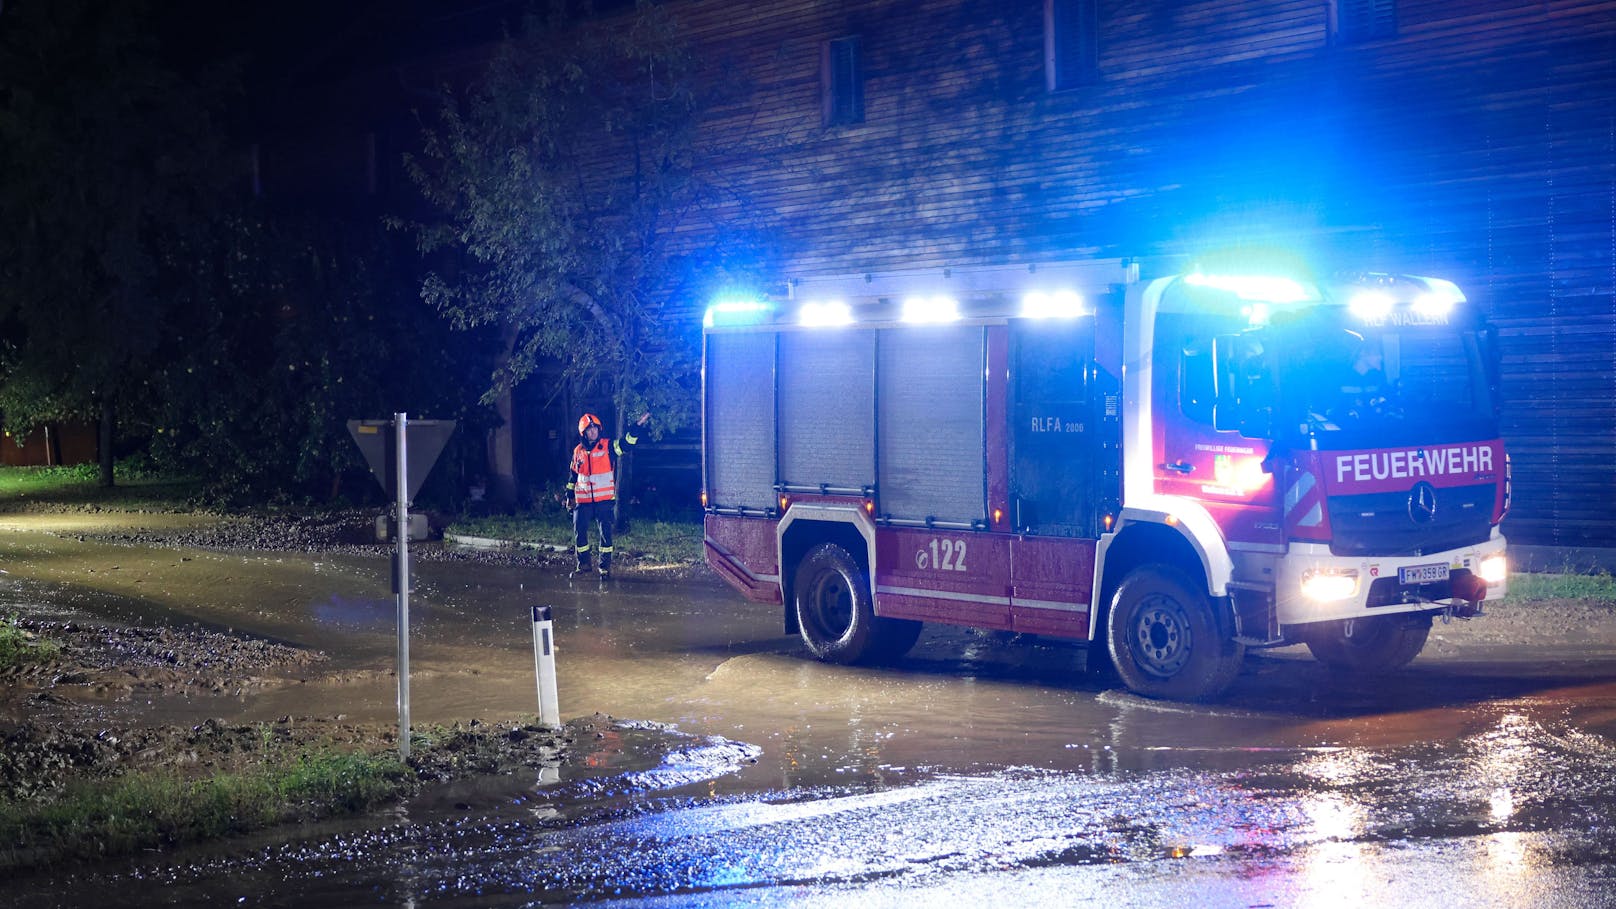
[1406, 379]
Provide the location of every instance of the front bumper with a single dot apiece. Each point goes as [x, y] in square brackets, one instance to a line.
[1377, 589]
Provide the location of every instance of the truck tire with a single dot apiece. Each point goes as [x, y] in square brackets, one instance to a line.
[1378, 644]
[1164, 638]
[836, 611]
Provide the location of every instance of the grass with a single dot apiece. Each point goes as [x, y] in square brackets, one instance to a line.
[1565, 586]
[655, 541]
[80, 485]
[18, 646]
[151, 809]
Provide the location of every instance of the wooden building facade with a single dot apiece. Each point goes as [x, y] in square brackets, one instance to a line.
[1472, 141]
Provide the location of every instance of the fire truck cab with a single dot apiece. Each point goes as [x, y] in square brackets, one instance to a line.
[1173, 469]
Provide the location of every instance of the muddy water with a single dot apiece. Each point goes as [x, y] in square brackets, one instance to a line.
[981, 762]
[695, 655]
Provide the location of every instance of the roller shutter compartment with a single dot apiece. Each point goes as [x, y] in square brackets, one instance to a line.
[827, 388]
[740, 420]
[931, 445]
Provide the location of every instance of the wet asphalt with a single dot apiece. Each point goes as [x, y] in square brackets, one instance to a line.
[981, 768]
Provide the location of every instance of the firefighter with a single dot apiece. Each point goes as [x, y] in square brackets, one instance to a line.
[592, 489]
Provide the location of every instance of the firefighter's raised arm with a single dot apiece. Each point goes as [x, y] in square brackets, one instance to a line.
[629, 437]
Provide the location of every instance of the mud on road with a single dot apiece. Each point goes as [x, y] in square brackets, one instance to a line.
[57, 730]
[687, 654]
[51, 736]
[54, 733]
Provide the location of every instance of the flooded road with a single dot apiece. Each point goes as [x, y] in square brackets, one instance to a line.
[982, 767]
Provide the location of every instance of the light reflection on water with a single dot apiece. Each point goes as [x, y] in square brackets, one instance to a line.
[694, 655]
[1336, 875]
[1073, 769]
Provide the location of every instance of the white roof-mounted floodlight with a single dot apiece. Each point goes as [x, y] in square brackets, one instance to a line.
[931, 309]
[735, 312]
[824, 314]
[1257, 288]
[1061, 304]
[1371, 305]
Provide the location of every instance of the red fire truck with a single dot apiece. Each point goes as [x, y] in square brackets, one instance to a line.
[1174, 469]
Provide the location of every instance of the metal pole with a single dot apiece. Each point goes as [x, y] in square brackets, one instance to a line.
[402, 579]
[544, 667]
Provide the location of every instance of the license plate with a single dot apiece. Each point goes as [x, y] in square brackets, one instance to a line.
[1422, 574]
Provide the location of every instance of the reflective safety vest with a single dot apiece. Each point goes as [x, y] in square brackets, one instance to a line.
[594, 481]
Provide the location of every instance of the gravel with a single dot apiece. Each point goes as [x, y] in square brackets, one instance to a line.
[40, 760]
[39, 757]
[351, 532]
[88, 648]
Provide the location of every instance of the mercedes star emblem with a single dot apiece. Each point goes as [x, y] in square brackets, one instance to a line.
[1422, 503]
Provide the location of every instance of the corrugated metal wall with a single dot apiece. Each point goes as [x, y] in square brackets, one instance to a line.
[1478, 144]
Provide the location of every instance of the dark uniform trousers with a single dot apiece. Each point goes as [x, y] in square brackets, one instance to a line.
[583, 515]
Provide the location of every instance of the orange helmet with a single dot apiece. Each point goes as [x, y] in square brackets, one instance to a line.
[586, 421]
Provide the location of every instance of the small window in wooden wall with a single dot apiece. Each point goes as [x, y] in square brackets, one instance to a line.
[1071, 43]
[1364, 20]
[842, 78]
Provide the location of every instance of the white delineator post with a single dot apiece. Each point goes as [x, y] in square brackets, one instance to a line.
[401, 578]
[544, 667]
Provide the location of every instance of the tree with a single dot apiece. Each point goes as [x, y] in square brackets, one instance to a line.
[108, 170]
[322, 326]
[559, 178]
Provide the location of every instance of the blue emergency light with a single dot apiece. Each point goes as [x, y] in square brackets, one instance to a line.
[735, 312]
[1256, 288]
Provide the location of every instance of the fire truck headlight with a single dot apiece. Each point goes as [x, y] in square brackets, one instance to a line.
[1326, 585]
[1493, 569]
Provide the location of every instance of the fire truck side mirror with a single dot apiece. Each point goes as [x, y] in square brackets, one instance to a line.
[1198, 384]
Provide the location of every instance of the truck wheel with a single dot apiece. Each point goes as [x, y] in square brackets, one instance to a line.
[834, 607]
[1378, 644]
[837, 614]
[1164, 639]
